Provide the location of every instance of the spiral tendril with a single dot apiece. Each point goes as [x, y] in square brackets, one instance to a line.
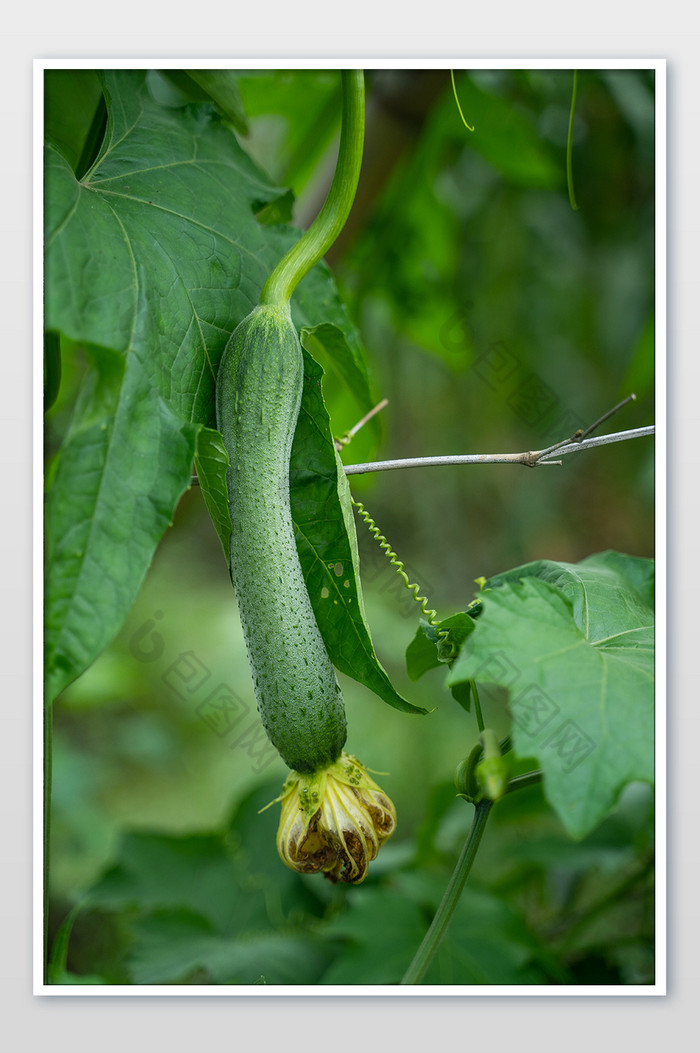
[394, 560]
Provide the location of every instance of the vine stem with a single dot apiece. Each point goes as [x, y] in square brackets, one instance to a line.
[426, 952]
[531, 459]
[477, 706]
[461, 112]
[324, 230]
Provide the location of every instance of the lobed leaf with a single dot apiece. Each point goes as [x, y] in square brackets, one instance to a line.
[152, 259]
[577, 658]
[424, 651]
[327, 545]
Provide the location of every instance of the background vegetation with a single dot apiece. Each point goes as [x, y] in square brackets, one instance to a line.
[495, 318]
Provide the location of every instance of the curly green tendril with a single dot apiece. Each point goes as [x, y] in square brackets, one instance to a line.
[394, 560]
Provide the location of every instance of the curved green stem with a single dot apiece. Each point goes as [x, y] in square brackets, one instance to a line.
[461, 113]
[316, 241]
[426, 952]
[477, 706]
[519, 782]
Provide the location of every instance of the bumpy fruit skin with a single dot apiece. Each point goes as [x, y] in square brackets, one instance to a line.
[258, 394]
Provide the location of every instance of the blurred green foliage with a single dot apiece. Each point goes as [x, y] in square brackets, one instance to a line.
[495, 319]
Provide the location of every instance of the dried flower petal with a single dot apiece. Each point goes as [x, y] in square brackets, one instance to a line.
[334, 821]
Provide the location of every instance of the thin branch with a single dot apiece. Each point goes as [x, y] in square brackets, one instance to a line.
[598, 440]
[606, 416]
[579, 435]
[531, 459]
[345, 439]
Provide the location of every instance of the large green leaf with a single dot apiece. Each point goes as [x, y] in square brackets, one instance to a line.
[221, 85]
[344, 353]
[212, 902]
[211, 462]
[365, 959]
[172, 945]
[610, 591]
[486, 942]
[152, 259]
[327, 545]
[575, 649]
[116, 483]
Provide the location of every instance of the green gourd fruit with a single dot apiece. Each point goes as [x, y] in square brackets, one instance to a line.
[258, 394]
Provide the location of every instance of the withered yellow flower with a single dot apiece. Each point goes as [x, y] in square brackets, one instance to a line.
[334, 821]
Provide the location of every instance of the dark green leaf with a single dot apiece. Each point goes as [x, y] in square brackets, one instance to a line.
[59, 950]
[174, 87]
[383, 926]
[156, 871]
[345, 357]
[52, 368]
[111, 499]
[380, 931]
[421, 653]
[73, 979]
[170, 946]
[152, 259]
[72, 98]
[486, 943]
[428, 648]
[221, 85]
[462, 693]
[580, 673]
[211, 462]
[327, 544]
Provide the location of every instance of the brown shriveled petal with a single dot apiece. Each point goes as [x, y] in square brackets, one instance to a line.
[383, 817]
[316, 852]
[343, 835]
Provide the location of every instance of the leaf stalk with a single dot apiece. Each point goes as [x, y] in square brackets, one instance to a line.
[324, 230]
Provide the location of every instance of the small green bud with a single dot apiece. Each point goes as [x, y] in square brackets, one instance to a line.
[464, 774]
[462, 777]
[493, 770]
[492, 776]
